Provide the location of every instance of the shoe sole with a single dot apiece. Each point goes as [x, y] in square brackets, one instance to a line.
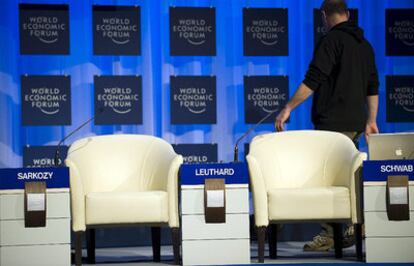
[323, 248]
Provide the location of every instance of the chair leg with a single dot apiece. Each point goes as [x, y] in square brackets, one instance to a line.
[337, 229]
[252, 228]
[176, 245]
[261, 235]
[272, 238]
[358, 241]
[156, 243]
[90, 245]
[78, 248]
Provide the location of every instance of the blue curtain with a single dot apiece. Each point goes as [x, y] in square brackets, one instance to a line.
[155, 65]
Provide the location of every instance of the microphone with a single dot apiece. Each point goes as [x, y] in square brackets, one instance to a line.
[236, 148]
[57, 152]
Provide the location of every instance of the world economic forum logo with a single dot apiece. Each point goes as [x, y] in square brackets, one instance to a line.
[46, 100]
[265, 31]
[193, 100]
[42, 156]
[263, 95]
[117, 30]
[192, 31]
[266, 98]
[400, 98]
[197, 153]
[403, 30]
[120, 98]
[44, 29]
[399, 31]
[403, 97]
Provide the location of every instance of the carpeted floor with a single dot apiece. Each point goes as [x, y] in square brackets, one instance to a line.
[290, 253]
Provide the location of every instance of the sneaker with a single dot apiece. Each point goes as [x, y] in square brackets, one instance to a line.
[319, 243]
[349, 237]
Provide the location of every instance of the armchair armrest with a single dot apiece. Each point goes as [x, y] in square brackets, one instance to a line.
[77, 196]
[172, 189]
[261, 213]
[355, 187]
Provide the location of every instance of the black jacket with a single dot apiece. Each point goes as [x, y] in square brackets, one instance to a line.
[342, 74]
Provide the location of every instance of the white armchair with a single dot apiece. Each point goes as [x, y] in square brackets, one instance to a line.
[123, 180]
[304, 176]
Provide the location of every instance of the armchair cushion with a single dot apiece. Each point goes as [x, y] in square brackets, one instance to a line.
[126, 207]
[308, 203]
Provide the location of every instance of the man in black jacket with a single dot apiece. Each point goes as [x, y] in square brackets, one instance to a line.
[343, 78]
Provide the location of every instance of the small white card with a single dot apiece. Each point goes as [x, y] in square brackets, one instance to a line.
[398, 195]
[35, 202]
[215, 198]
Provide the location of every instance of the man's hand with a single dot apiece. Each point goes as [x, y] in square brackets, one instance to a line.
[301, 94]
[281, 119]
[370, 128]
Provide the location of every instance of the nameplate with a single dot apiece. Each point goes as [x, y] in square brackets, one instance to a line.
[380, 170]
[232, 173]
[15, 178]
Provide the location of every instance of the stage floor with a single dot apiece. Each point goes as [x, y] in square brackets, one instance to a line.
[288, 252]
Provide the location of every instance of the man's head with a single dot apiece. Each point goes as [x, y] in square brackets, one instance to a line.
[334, 12]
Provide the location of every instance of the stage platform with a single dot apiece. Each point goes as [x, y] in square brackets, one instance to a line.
[289, 253]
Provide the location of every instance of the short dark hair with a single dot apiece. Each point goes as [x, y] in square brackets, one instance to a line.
[331, 7]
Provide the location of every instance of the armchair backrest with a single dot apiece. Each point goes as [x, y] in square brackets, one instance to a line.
[121, 162]
[306, 158]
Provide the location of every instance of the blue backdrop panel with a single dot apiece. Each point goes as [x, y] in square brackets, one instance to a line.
[156, 66]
